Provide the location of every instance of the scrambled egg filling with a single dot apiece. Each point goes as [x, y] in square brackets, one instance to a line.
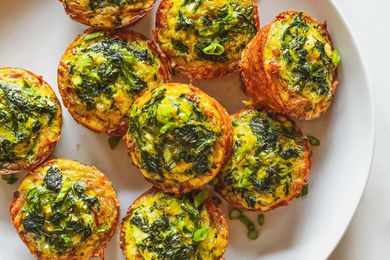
[107, 73]
[26, 111]
[60, 212]
[304, 59]
[267, 158]
[162, 226]
[175, 138]
[215, 31]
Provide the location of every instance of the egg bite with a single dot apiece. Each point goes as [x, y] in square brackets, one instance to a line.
[291, 66]
[30, 120]
[101, 72]
[159, 225]
[179, 137]
[204, 39]
[65, 210]
[107, 14]
[269, 164]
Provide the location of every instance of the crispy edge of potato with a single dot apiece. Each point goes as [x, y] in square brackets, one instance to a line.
[67, 91]
[222, 189]
[225, 142]
[198, 69]
[215, 213]
[128, 17]
[19, 200]
[265, 89]
[47, 146]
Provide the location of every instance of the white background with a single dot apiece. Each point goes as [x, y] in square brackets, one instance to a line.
[368, 236]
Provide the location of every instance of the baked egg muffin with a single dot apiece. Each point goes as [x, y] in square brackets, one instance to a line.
[65, 210]
[107, 14]
[161, 226]
[291, 66]
[178, 136]
[102, 71]
[269, 164]
[204, 39]
[30, 120]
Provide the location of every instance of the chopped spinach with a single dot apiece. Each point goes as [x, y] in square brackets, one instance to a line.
[92, 80]
[53, 179]
[179, 45]
[22, 103]
[187, 141]
[306, 73]
[59, 227]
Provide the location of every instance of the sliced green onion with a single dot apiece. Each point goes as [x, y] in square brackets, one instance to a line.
[304, 191]
[234, 213]
[214, 49]
[261, 219]
[253, 234]
[133, 111]
[113, 141]
[336, 57]
[201, 197]
[93, 35]
[313, 140]
[200, 234]
[166, 127]
[9, 178]
[246, 221]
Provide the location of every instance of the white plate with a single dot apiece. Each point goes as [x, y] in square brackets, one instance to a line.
[34, 34]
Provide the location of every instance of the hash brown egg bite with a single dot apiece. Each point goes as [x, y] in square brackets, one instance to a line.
[204, 39]
[107, 14]
[30, 120]
[269, 164]
[290, 66]
[179, 137]
[159, 225]
[65, 210]
[102, 71]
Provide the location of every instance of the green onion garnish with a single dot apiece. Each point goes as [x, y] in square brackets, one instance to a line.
[313, 141]
[201, 197]
[261, 219]
[200, 234]
[234, 213]
[253, 234]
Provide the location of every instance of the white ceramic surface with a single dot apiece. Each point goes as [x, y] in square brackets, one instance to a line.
[33, 35]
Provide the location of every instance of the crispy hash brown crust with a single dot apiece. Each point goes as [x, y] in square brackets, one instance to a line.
[48, 141]
[70, 99]
[295, 187]
[109, 17]
[97, 183]
[222, 148]
[196, 69]
[267, 89]
[215, 214]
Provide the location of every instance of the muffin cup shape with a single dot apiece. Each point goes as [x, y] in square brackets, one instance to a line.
[270, 162]
[163, 208]
[205, 40]
[101, 73]
[290, 66]
[65, 210]
[31, 120]
[179, 137]
[107, 14]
